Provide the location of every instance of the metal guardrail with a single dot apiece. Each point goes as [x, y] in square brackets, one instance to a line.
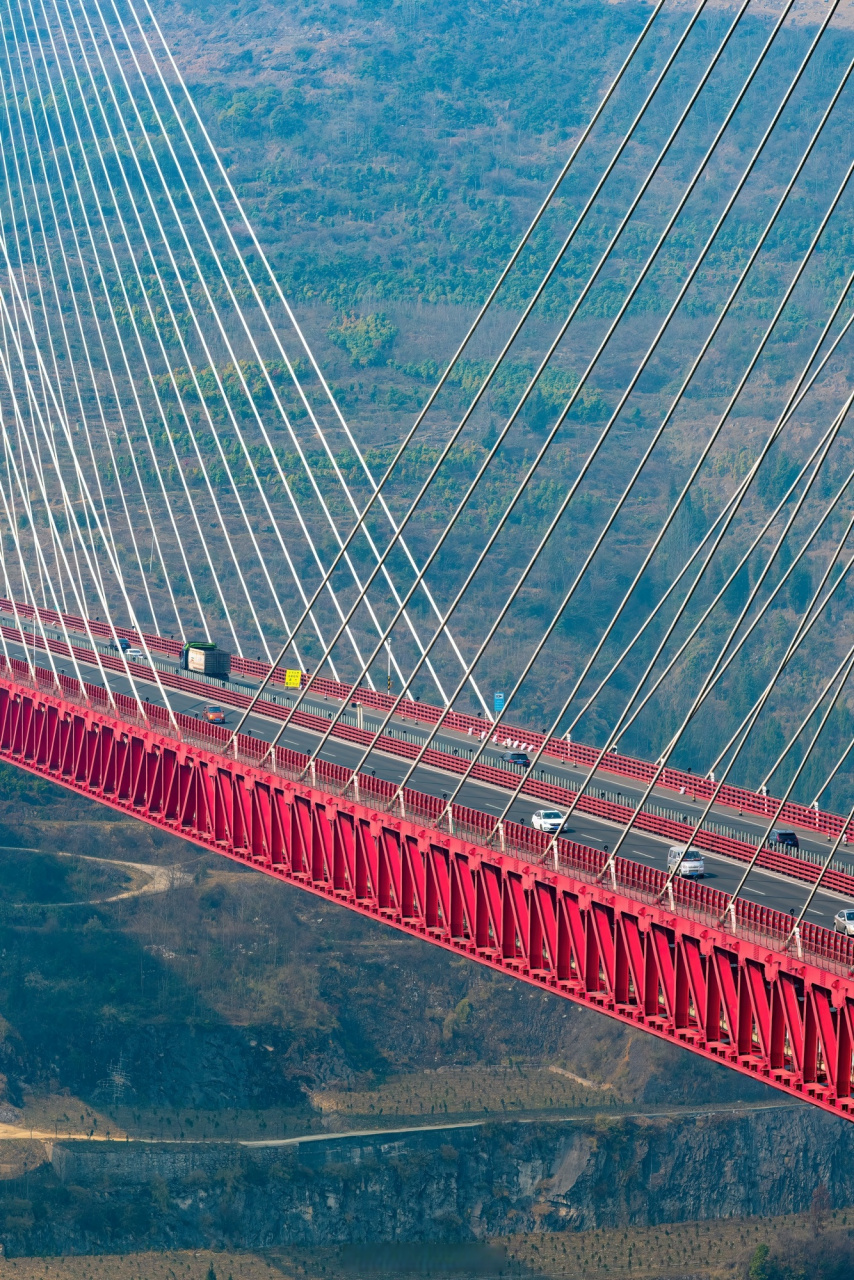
[701, 903]
[652, 819]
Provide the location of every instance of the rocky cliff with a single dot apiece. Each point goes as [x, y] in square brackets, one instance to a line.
[454, 1183]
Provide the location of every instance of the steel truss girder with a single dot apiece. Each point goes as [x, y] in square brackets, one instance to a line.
[759, 1011]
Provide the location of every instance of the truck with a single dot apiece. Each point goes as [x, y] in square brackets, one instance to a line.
[204, 656]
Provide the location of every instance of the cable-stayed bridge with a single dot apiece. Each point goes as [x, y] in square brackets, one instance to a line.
[626, 500]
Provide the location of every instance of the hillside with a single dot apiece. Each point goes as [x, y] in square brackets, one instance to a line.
[694, 261]
[160, 1007]
[230, 1005]
[390, 156]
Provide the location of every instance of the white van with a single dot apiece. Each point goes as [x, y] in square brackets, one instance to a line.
[693, 867]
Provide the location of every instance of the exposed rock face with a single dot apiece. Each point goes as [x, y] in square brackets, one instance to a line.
[463, 1183]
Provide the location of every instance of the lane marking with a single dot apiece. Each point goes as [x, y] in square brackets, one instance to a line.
[262, 721]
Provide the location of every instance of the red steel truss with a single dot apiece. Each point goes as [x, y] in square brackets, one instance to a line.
[594, 802]
[734, 995]
[740, 799]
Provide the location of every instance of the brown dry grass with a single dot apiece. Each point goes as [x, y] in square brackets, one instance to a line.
[64, 1116]
[174, 1265]
[714, 1250]
[717, 1250]
[467, 1091]
[61, 1115]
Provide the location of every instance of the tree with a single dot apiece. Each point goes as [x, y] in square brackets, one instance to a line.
[758, 1268]
[820, 1208]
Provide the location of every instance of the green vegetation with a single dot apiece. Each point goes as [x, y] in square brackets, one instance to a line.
[42, 878]
[166, 1264]
[364, 338]
[389, 156]
[477, 1091]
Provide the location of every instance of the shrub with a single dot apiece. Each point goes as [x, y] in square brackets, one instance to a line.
[364, 338]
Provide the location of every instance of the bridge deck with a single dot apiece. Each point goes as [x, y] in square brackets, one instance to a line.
[732, 994]
[730, 837]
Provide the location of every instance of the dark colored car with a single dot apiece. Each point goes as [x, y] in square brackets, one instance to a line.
[124, 644]
[515, 757]
[786, 838]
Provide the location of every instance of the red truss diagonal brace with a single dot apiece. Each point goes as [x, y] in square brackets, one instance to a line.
[761, 1011]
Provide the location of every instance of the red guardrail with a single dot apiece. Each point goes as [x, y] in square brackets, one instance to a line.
[738, 798]
[769, 859]
[691, 900]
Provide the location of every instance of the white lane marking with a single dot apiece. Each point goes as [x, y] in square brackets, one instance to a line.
[759, 891]
[605, 778]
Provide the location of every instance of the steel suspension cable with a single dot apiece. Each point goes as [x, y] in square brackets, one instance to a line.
[5, 369]
[199, 392]
[131, 382]
[825, 867]
[743, 732]
[385, 477]
[831, 775]
[576, 392]
[27, 592]
[10, 326]
[707, 343]
[202, 466]
[67, 344]
[27, 589]
[849, 665]
[529, 769]
[793, 737]
[796, 397]
[613, 418]
[223, 174]
[628, 716]
[721, 669]
[662, 761]
[747, 724]
[47, 435]
[620, 727]
[805, 626]
[236, 364]
[20, 258]
[10, 593]
[212, 365]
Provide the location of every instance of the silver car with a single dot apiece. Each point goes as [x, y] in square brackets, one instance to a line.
[843, 922]
[692, 867]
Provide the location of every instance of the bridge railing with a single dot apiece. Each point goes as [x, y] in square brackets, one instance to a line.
[759, 925]
[613, 807]
[681, 781]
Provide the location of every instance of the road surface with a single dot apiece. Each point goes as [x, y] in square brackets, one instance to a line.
[763, 887]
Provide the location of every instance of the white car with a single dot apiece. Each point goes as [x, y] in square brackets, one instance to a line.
[549, 820]
[843, 922]
[693, 867]
[134, 655]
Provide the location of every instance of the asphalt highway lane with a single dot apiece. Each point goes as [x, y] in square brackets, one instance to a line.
[750, 827]
[765, 888]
